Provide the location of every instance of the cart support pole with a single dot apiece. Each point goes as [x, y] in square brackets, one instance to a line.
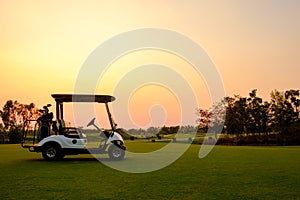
[61, 106]
[57, 110]
[109, 117]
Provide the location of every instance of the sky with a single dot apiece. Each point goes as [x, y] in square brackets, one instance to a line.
[253, 44]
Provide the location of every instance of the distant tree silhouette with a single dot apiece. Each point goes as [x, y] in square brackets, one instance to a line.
[251, 116]
[285, 112]
[13, 116]
[204, 119]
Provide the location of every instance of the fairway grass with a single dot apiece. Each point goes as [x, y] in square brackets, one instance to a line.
[228, 172]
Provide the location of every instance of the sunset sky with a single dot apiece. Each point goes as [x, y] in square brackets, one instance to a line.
[254, 45]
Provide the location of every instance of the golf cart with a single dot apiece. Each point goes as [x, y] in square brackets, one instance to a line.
[55, 140]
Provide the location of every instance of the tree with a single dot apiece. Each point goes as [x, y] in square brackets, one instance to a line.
[265, 120]
[204, 119]
[217, 117]
[293, 103]
[236, 115]
[257, 111]
[187, 129]
[165, 130]
[285, 112]
[13, 116]
[252, 115]
[153, 130]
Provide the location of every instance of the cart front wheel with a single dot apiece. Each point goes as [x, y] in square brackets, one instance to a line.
[116, 152]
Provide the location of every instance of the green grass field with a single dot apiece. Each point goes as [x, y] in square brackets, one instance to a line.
[228, 172]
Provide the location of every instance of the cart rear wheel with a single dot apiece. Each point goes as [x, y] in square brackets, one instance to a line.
[52, 152]
[116, 152]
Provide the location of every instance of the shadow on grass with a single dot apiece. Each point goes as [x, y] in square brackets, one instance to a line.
[74, 159]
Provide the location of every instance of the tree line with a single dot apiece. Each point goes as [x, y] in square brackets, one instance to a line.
[253, 120]
[241, 119]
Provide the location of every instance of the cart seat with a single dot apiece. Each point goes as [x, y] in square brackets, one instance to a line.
[70, 132]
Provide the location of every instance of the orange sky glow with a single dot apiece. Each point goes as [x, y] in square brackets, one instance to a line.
[254, 45]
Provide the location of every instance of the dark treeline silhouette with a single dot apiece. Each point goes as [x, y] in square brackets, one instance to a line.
[165, 130]
[250, 120]
[247, 120]
[159, 131]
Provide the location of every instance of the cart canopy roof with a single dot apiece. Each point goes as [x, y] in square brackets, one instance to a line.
[61, 98]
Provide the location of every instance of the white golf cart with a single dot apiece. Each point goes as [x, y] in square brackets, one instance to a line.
[58, 141]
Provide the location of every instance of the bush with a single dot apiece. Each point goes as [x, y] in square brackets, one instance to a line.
[239, 142]
[210, 141]
[15, 135]
[225, 141]
[3, 138]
